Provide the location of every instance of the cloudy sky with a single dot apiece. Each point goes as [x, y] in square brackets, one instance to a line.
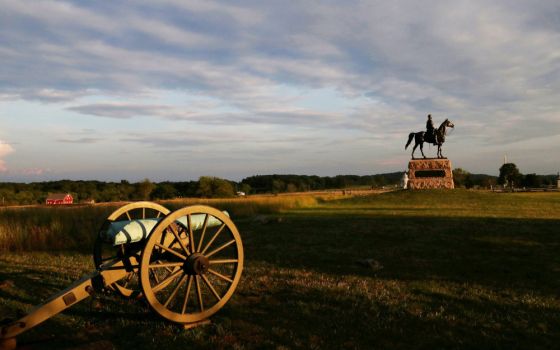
[174, 89]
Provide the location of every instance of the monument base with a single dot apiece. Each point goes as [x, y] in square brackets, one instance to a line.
[429, 173]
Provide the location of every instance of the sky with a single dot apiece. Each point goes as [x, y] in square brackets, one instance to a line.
[175, 90]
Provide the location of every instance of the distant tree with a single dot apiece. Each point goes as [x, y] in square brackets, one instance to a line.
[126, 191]
[245, 188]
[186, 189]
[532, 181]
[509, 175]
[205, 186]
[278, 186]
[222, 188]
[164, 190]
[144, 189]
[462, 178]
[211, 187]
[25, 197]
[291, 188]
[488, 181]
[7, 196]
[110, 193]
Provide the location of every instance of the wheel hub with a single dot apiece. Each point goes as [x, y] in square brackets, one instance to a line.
[196, 264]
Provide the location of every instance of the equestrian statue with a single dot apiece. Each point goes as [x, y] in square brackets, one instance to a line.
[431, 135]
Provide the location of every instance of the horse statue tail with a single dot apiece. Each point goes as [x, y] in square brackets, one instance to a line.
[410, 137]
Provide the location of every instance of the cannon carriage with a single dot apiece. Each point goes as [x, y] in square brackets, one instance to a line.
[186, 264]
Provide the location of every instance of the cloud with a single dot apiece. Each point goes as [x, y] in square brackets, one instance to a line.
[211, 114]
[494, 69]
[187, 139]
[34, 171]
[454, 53]
[81, 140]
[5, 149]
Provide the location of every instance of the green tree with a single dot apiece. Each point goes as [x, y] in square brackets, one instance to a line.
[211, 187]
[532, 181]
[462, 178]
[291, 188]
[278, 186]
[222, 188]
[245, 188]
[144, 189]
[509, 175]
[205, 186]
[164, 190]
[25, 197]
[488, 181]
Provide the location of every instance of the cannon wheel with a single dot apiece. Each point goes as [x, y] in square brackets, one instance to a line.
[187, 283]
[104, 252]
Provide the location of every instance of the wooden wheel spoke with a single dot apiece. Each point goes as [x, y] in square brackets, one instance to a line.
[189, 284]
[223, 246]
[223, 261]
[213, 238]
[199, 294]
[205, 279]
[143, 213]
[178, 239]
[172, 271]
[128, 278]
[162, 237]
[203, 232]
[217, 274]
[165, 265]
[132, 267]
[179, 255]
[166, 281]
[191, 234]
[175, 290]
[128, 216]
[154, 275]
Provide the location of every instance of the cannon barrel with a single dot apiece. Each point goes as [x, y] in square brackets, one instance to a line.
[130, 231]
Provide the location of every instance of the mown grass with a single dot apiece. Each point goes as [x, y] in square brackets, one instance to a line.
[453, 270]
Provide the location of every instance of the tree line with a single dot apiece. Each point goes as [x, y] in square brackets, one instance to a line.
[509, 176]
[208, 187]
[12, 193]
[302, 183]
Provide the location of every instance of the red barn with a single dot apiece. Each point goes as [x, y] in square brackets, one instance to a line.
[59, 198]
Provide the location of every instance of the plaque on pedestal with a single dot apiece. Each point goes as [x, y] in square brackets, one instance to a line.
[429, 173]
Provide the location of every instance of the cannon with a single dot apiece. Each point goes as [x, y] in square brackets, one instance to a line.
[186, 264]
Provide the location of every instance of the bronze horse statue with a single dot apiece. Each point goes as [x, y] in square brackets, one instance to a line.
[438, 139]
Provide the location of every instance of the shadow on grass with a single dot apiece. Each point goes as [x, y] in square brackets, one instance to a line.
[517, 253]
[313, 317]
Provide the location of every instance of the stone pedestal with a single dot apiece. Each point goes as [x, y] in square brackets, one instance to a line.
[430, 173]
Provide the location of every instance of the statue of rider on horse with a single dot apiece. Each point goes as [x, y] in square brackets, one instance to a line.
[431, 135]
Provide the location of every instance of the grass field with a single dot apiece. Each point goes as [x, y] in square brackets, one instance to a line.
[448, 270]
